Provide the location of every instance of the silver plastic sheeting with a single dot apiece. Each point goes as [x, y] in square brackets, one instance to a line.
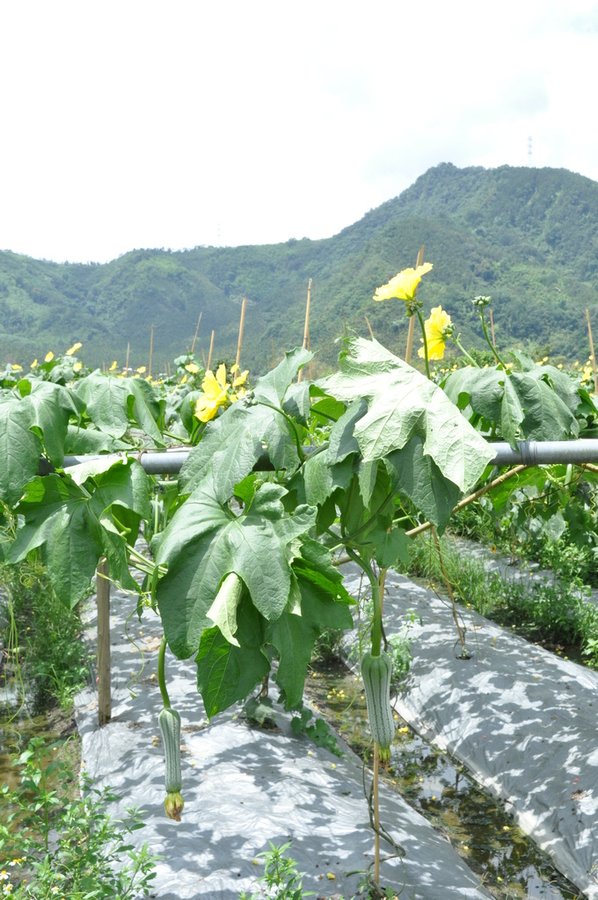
[245, 787]
[524, 721]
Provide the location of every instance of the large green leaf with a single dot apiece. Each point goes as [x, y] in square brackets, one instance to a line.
[205, 541]
[57, 518]
[248, 431]
[20, 448]
[105, 398]
[403, 403]
[75, 524]
[274, 386]
[113, 404]
[231, 446]
[419, 478]
[225, 673]
[294, 633]
[53, 406]
[522, 405]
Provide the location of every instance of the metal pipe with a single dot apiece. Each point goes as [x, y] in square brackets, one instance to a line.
[546, 453]
[528, 453]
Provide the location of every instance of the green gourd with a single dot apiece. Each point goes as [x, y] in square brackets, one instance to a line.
[170, 729]
[376, 672]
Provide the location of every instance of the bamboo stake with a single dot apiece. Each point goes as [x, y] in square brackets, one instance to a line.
[411, 327]
[306, 327]
[367, 322]
[103, 648]
[151, 352]
[127, 356]
[376, 802]
[210, 351]
[592, 351]
[241, 330]
[193, 343]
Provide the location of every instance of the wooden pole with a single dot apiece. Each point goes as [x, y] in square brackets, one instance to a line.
[367, 322]
[151, 351]
[193, 343]
[305, 344]
[411, 327]
[592, 351]
[241, 330]
[210, 351]
[127, 356]
[103, 648]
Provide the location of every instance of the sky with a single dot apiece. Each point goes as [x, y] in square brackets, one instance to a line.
[179, 123]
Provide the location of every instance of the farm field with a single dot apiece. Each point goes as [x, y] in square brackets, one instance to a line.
[223, 513]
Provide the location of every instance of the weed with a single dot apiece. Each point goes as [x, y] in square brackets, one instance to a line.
[281, 878]
[554, 614]
[41, 637]
[57, 846]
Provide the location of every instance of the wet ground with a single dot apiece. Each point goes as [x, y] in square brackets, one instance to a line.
[507, 861]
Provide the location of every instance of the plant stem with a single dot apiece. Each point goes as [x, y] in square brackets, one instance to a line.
[376, 631]
[290, 421]
[465, 654]
[423, 330]
[489, 341]
[162, 673]
[458, 343]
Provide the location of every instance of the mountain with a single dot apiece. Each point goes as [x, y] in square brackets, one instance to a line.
[528, 237]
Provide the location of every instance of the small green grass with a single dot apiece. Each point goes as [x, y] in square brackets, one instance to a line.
[554, 614]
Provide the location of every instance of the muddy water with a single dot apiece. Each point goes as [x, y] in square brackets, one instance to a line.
[56, 730]
[479, 828]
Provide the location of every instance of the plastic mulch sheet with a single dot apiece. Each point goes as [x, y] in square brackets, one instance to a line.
[524, 721]
[245, 787]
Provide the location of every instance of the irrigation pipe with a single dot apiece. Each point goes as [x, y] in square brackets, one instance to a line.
[528, 453]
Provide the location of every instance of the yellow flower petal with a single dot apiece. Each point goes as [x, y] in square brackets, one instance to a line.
[192, 367]
[437, 327]
[240, 379]
[34, 364]
[404, 285]
[113, 366]
[76, 346]
[49, 356]
[205, 408]
[77, 367]
[221, 375]
[141, 370]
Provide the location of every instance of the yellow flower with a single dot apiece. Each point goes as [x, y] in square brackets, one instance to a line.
[438, 327]
[76, 346]
[113, 366]
[214, 394]
[77, 367]
[173, 805]
[141, 370]
[240, 379]
[404, 285]
[16, 367]
[192, 367]
[49, 356]
[34, 364]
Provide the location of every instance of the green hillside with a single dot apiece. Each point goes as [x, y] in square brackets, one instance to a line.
[528, 237]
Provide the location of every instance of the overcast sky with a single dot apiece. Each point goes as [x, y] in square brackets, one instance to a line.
[174, 123]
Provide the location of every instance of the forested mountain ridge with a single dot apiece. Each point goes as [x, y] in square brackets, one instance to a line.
[526, 236]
